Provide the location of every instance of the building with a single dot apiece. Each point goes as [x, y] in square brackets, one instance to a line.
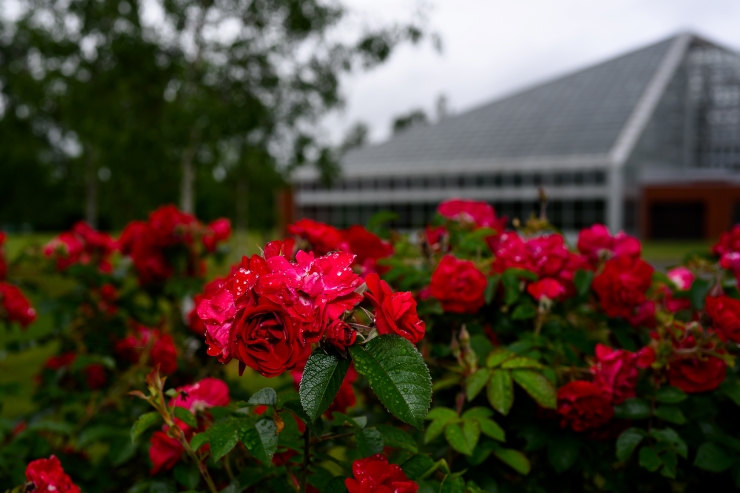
[648, 142]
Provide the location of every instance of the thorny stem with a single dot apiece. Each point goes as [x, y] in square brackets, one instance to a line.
[306, 459]
[460, 402]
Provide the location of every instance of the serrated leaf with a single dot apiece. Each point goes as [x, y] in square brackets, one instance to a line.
[263, 397]
[711, 457]
[501, 391]
[398, 375]
[671, 414]
[521, 362]
[582, 281]
[476, 382]
[670, 461]
[490, 289]
[731, 388]
[628, 441]
[563, 452]
[649, 459]
[260, 438]
[512, 288]
[144, 422]
[198, 440]
[223, 437]
[538, 386]
[369, 441]
[498, 356]
[419, 466]
[669, 437]
[316, 426]
[514, 459]
[477, 412]
[441, 413]
[436, 428]
[185, 416]
[670, 395]
[492, 429]
[463, 436]
[397, 438]
[321, 380]
[632, 409]
[524, 310]
[452, 483]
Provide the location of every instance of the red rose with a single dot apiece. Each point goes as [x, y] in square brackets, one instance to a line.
[480, 214]
[164, 452]
[14, 306]
[3, 265]
[583, 406]
[615, 372]
[458, 285]
[546, 288]
[163, 352]
[644, 315]
[67, 249]
[209, 290]
[725, 314]
[322, 237]
[729, 242]
[622, 285]
[267, 339]
[368, 248]
[61, 361]
[216, 232]
[595, 241]
[340, 334]
[694, 374]
[395, 313]
[374, 475]
[95, 376]
[48, 476]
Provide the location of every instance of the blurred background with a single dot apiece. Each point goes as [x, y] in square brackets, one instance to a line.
[625, 112]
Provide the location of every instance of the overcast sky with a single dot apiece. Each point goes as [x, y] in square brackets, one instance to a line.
[493, 48]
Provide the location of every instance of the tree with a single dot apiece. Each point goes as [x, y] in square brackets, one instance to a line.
[163, 100]
[411, 119]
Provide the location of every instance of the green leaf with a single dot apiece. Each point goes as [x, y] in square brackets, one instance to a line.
[649, 459]
[524, 310]
[144, 422]
[698, 292]
[520, 362]
[198, 440]
[186, 475]
[490, 289]
[223, 437]
[670, 461]
[369, 441]
[437, 427]
[357, 421]
[260, 438]
[563, 452]
[477, 412]
[498, 356]
[632, 409]
[185, 416]
[321, 380]
[582, 280]
[444, 413]
[501, 391]
[513, 458]
[463, 436]
[669, 437]
[672, 414]
[452, 483]
[670, 395]
[397, 438]
[263, 397]
[731, 388]
[538, 386]
[512, 289]
[397, 374]
[316, 426]
[628, 442]
[476, 382]
[492, 429]
[711, 457]
[419, 466]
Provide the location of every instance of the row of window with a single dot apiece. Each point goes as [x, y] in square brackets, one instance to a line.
[597, 177]
[565, 214]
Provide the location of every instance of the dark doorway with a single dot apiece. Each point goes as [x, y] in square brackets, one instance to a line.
[677, 220]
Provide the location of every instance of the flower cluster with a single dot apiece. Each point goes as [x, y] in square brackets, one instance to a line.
[14, 306]
[81, 245]
[168, 234]
[142, 340]
[367, 247]
[375, 475]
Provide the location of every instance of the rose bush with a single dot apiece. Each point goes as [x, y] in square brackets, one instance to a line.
[466, 358]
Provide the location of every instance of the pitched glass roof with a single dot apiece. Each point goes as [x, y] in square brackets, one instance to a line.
[579, 114]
